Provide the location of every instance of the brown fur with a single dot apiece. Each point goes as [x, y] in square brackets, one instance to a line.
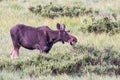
[41, 38]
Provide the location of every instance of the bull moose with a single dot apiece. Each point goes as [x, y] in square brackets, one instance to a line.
[41, 38]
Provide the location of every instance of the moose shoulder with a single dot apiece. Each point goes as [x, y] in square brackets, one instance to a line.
[41, 38]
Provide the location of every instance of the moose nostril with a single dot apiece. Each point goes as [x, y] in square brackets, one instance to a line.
[75, 40]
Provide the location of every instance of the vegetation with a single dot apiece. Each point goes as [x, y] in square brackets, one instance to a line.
[96, 55]
[51, 10]
[103, 25]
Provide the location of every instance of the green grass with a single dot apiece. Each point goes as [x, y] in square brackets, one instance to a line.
[16, 76]
[14, 12]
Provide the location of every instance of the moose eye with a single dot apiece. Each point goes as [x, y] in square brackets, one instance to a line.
[65, 33]
[68, 31]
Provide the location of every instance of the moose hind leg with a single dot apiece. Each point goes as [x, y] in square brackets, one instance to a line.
[15, 51]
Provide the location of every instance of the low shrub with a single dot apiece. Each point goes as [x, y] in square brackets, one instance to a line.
[103, 61]
[80, 60]
[103, 25]
[51, 10]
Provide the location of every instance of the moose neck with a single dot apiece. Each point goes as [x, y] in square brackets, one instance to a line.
[54, 36]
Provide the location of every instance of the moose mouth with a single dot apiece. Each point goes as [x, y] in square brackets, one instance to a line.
[72, 43]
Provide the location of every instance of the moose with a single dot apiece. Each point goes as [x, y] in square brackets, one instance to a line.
[41, 38]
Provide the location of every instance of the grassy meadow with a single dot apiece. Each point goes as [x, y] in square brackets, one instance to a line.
[63, 62]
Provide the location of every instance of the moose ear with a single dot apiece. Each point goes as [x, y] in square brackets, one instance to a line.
[60, 27]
